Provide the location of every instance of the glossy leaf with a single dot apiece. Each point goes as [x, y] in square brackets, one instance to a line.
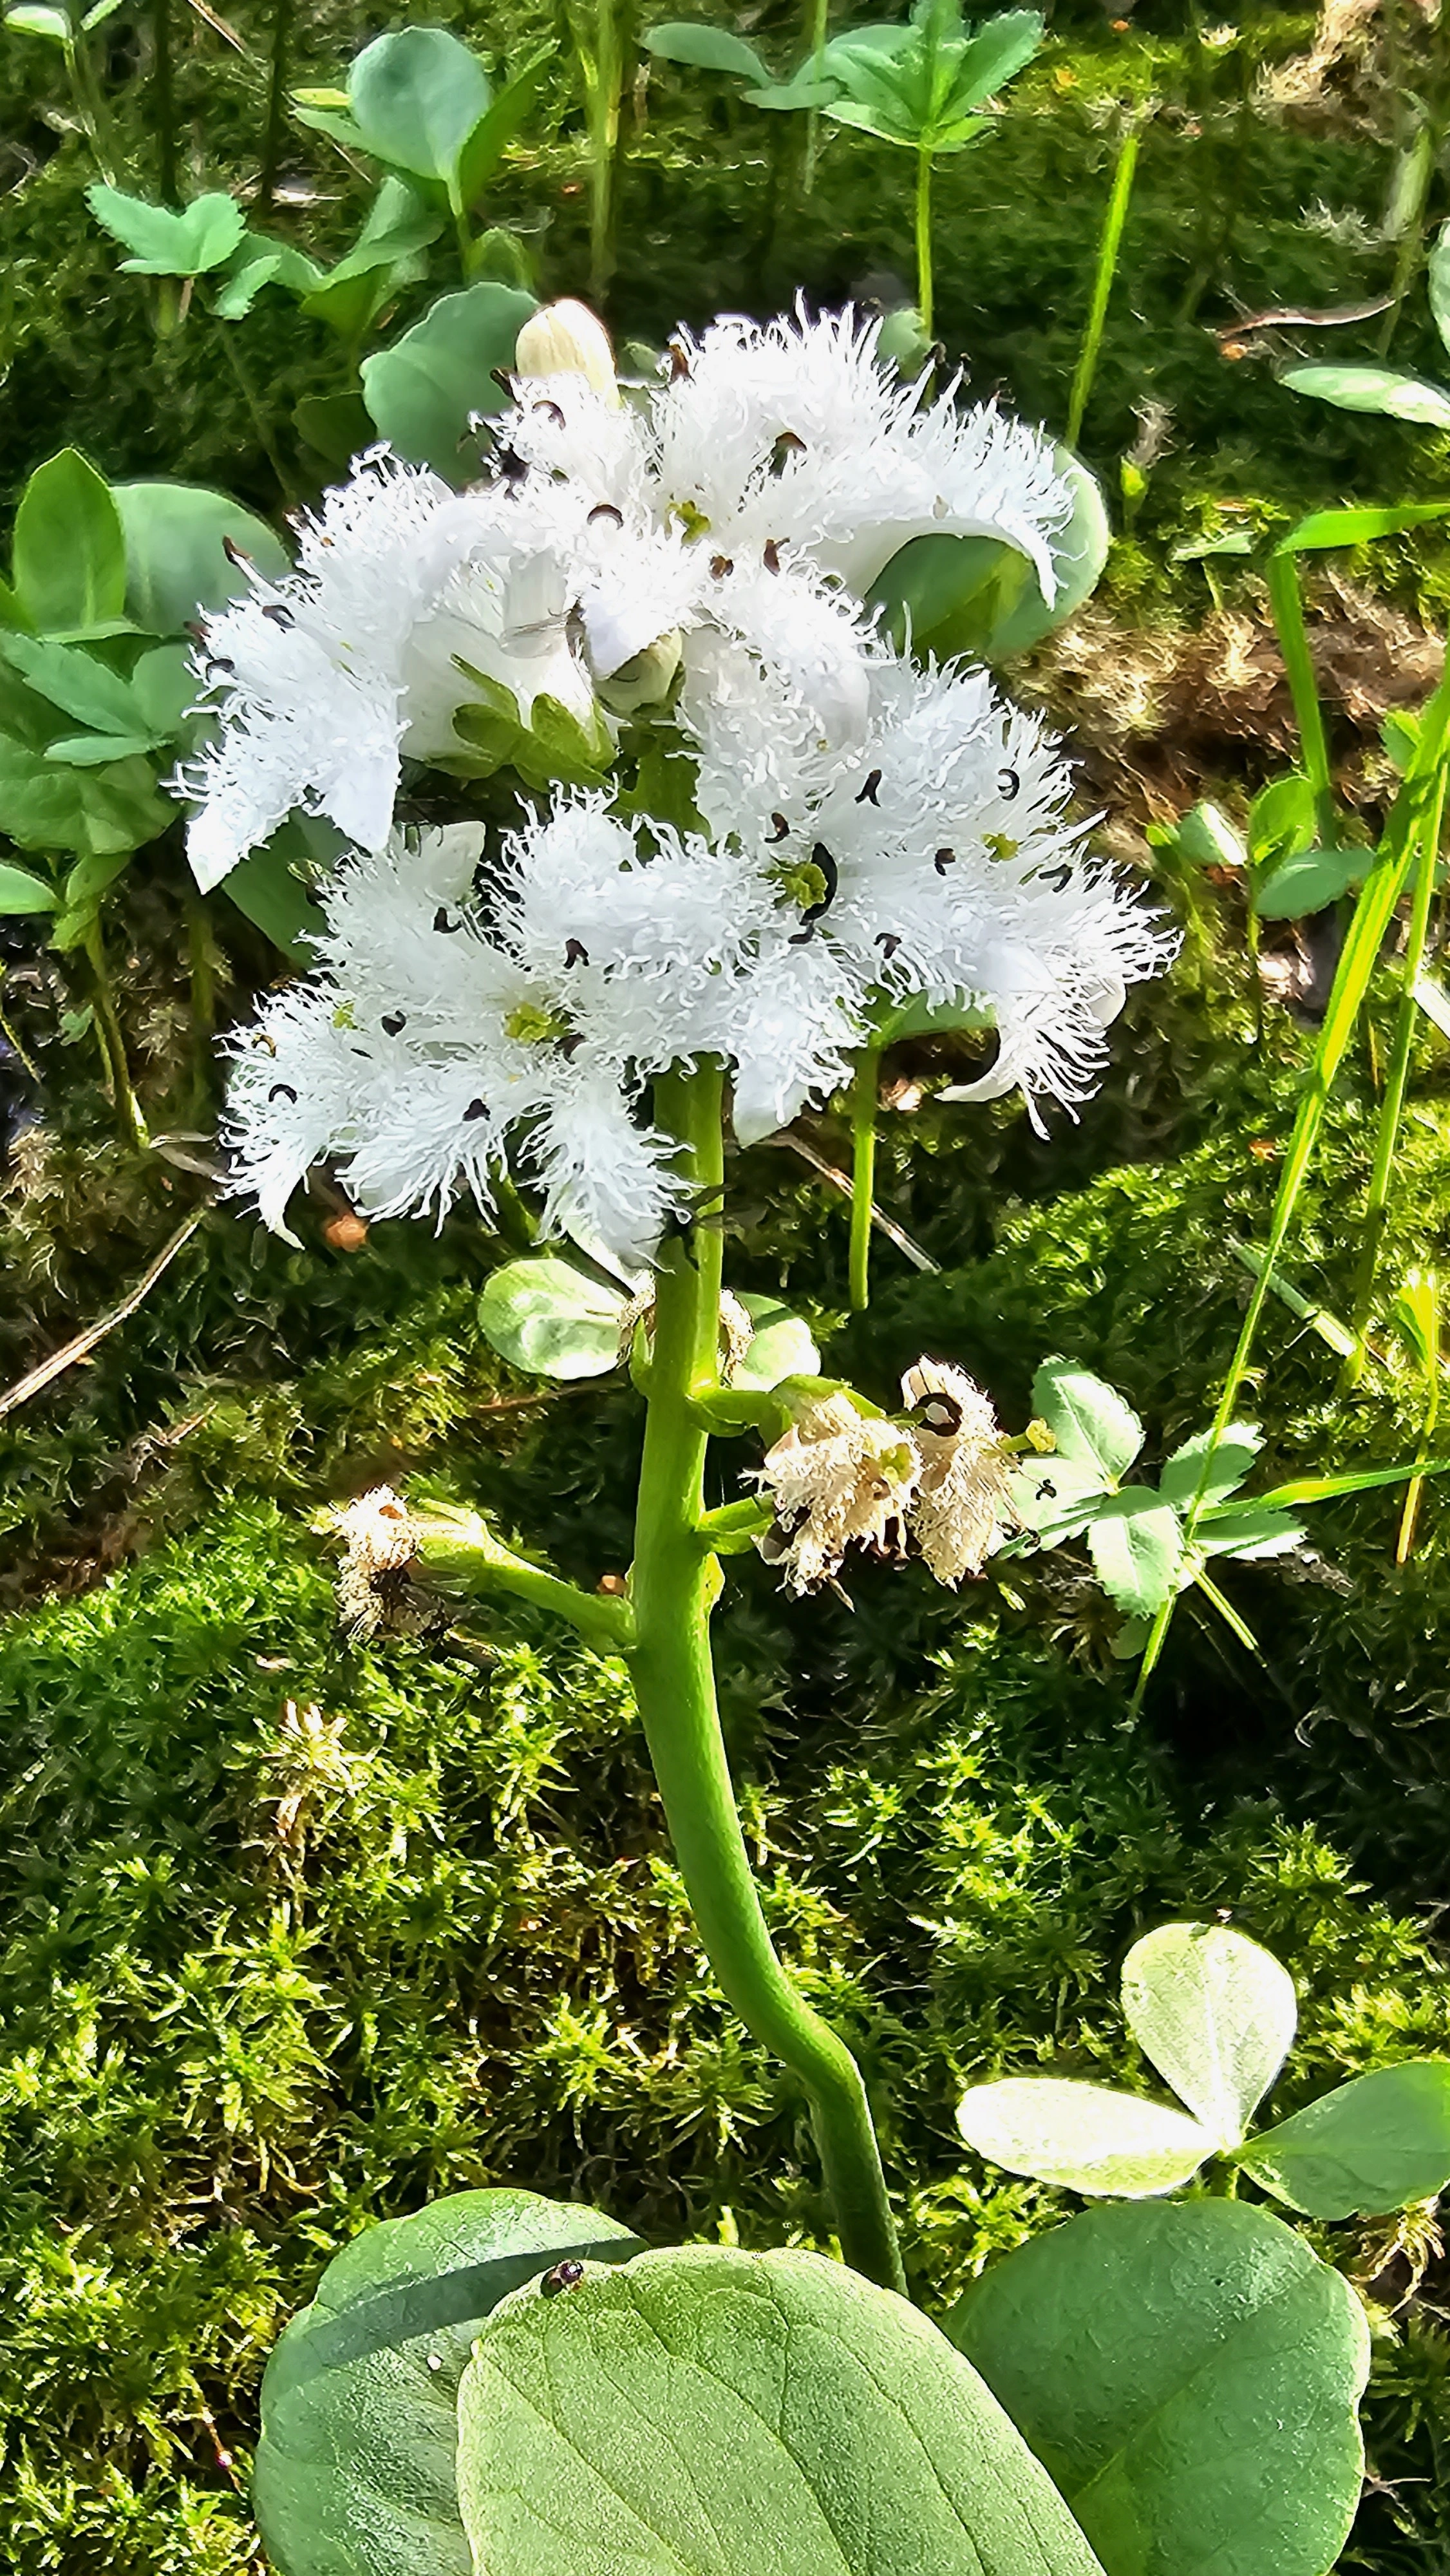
[1215, 2014]
[707, 49]
[1375, 2145]
[50, 23]
[164, 244]
[980, 596]
[1136, 1544]
[176, 565]
[22, 892]
[1188, 2373]
[782, 1345]
[1281, 818]
[1228, 1460]
[416, 96]
[1307, 880]
[1085, 2137]
[1378, 389]
[46, 806]
[1325, 529]
[355, 2471]
[70, 552]
[422, 391]
[1089, 1420]
[1208, 838]
[745, 2414]
[545, 1316]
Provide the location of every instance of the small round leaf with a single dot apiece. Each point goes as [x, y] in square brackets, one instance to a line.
[1084, 2136]
[781, 1345]
[1189, 2375]
[1215, 2014]
[544, 1316]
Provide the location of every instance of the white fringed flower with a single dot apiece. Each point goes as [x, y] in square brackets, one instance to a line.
[777, 465]
[837, 1478]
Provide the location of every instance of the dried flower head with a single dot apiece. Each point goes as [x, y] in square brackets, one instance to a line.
[838, 1477]
[960, 1512]
[380, 1536]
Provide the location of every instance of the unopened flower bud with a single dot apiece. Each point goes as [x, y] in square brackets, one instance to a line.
[566, 339]
[647, 678]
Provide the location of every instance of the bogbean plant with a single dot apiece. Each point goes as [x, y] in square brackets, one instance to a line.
[630, 822]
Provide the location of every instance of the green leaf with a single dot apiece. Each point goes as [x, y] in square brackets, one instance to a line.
[799, 92]
[494, 132]
[1307, 880]
[385, 256]
[1251, 1533]
[416, 96]
[1438, 279]
[1136, 1544]
[75, 682]
[51, 23]
[422, 391]
[1379, 389]
[87, 881]
[266, 887]
[175, 537]
[337, 425]
[1003, 48]
[782, 1345]
[1327, 528]
[1281, 818]
[168, 245]
[708, 49]
[93, 750]
[70, 554]
[1079, 550]
[44, 806]
[1322, 1489]
[1208, 839]
[981, 596]
[1375, 2145]
[1188, 2374]
[355, 2471]
[771, 2414]
[1083, 2136]
[1089, 1420]
[1055, 1498]
[1215, 2014]
[1183, 1480]
[547, 1317]
[22, 892]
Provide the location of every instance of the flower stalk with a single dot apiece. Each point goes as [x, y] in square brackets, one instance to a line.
[864, 1098]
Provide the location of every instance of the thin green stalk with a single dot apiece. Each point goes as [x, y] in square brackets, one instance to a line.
[276, 126]
[923, 237]
[260, 421]
[675, 1582]
[201, 967]
[461, 1547]
[864, 1096]
[113, 1043]
[164, 91]
[1108, 249]
[1377, 1206]
[1288, 608]
[817, 14]
[90, 109]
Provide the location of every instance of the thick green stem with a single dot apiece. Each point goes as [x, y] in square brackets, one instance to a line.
[1377, 1206]
[923, 238]
[863, 1172]
[1108, 249]
[1288, 607]
[674, 1586]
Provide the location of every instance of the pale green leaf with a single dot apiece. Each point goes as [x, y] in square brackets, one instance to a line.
[1084, 2137]
[545, 1316]
[1215, 2014]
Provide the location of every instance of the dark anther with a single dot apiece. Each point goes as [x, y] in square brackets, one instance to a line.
[1046, 1491]
[798, 938]
[888, 942]
[476, 1109]
[576, 954]
[564, 2276]
[504, 381]
[679, 361]
[771, 555]
[821, 858]
[944, 859]
[282, 1091]
[780, 828]
[234, 555]
[786, 446]
[570, 1045]
[393, 1021]
[511, 465]
[554, 410]
[720, 565]
[867, 795]
[279, 615]
[195, 629]
[1008, 784]
[605, 510]
[441, 920]
[1059, 878]
[219, 662]
[940, 1413]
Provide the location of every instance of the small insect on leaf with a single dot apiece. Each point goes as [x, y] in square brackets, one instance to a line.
[564, 2276]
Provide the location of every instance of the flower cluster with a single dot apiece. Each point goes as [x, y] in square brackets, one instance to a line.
[877, 838]
[839, 1478]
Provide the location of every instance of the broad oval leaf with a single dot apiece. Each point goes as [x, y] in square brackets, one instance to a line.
[765, 2414]
[1189, 2375]
[1136, 1543]
[416, 96]
[1375, 2145]
[422, 392]
[708, 49]
[267, 888]
[70, 554]
[1308, 880]
[1438, 274]
[547, 1317]
[1215, 2014]
[1084, 2137]
[980, 596]
[1206, 1470]
[1055, 1498]
[22, 892]
[355, 2470]
[1089, 1420]
[175, 538]
[781, 1345]
[1379, 389]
